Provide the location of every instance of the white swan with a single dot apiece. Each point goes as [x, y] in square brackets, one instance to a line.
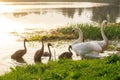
[104, 43]
[93, 46]
[80, 33]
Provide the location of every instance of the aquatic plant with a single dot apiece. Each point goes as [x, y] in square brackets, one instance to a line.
[90, 33]
[94, 69]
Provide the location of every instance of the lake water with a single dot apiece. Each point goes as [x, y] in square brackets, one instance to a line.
[18, 17]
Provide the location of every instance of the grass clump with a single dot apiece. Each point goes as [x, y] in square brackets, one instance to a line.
[90, 33]
[94, 69]
[112, 59]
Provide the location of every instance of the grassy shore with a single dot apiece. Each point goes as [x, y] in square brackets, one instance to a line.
[90, 33]
[94, 69]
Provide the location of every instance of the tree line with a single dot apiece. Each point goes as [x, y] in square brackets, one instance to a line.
[107, 1]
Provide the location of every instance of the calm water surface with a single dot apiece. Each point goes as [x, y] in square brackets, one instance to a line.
[18, 17]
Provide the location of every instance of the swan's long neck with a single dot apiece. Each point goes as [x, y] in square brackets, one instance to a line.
[80, 38]
[50, 53]
[25, 46]
[105, 39]
[42, 45]
[69, 49]
[103, 34]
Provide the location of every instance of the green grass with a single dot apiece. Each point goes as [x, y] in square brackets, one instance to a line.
[94, 69]
[90, 33]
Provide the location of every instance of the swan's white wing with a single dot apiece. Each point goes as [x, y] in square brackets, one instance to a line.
[81, 48]
[101, 43]
[86, 48]
[76, 42]
[95, 47]
[93, 55]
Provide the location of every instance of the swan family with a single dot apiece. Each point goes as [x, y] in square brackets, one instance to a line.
[81, 48]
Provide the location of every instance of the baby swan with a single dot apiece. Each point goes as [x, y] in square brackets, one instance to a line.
[19, 53]
[48, 54]
[67, 55]
[39, 53]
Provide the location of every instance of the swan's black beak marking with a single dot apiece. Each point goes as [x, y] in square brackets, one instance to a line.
[105, 23]
[118, 49]
[73, 32]
[51, 45]
[70, 46]
[26, 40]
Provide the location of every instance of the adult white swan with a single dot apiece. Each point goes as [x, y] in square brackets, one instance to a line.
[93, 46]
[104, 43]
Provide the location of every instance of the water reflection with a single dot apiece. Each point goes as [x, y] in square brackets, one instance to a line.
[110, 12]
[85, 17]
[20, 60]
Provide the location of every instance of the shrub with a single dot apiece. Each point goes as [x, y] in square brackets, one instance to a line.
[112, 59]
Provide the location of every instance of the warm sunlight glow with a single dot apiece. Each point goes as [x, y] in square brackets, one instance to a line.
[9, 25]
[20, 20]
[89, 4]
[6, 26]
[6, 8]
